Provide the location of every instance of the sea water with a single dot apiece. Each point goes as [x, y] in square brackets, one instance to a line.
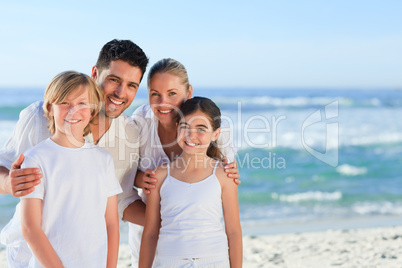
[308, 159]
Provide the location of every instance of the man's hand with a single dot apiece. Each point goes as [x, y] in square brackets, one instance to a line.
[21, 182]
[231, 170]
[145, 180]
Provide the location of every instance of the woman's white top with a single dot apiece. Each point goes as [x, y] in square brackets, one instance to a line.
[191, 220]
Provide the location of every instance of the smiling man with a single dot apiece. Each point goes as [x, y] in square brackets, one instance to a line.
[119, 70]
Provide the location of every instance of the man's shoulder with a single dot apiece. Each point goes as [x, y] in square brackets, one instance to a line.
[35, 109]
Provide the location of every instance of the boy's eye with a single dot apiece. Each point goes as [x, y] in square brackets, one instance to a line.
[184, 127]
[114, 80]
[201, 130]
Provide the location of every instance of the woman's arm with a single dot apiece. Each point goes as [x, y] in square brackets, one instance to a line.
[230, 205]
[112, 226]
[150, 234]
[31, 219]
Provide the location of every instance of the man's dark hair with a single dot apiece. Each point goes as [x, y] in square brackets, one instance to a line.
[124, 50]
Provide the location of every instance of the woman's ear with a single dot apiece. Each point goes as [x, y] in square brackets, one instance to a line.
[190, 92]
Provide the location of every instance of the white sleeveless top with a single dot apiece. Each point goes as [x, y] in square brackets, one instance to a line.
[191, 216]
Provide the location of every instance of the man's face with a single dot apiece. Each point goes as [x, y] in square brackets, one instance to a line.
[120, 84]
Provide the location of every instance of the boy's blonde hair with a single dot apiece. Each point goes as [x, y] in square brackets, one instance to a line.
[63, 85]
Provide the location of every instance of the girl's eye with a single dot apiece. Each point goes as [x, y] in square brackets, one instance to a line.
[172, 93]
[154, 94]
[63, 103]
[83, 103]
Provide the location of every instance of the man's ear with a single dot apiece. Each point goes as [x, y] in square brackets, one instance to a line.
[94, 73]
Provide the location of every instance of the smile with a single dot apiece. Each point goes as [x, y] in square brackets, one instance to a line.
[190, 144]
[115, 101]
[165, 111]
[72, 121]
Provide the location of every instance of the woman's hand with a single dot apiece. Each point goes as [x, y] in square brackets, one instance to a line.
[231, 170]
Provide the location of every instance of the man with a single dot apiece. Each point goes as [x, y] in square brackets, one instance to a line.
[119, 70]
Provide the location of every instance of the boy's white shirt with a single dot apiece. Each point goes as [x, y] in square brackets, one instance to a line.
[74, 201]
[121, 141]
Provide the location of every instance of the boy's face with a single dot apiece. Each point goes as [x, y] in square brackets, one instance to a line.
[73, 114]
[120, 84]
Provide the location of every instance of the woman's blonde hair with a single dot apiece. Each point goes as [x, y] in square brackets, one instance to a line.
[172, 67]
[63, 85]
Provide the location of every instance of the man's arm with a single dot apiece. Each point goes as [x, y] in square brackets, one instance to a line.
[135, 213]
[31, 129]
[19, 182]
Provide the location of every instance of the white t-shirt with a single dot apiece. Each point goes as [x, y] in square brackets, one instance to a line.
[75, 187]
[153, 155]
[121, 141]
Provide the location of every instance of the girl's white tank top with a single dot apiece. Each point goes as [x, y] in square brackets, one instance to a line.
[191, 216]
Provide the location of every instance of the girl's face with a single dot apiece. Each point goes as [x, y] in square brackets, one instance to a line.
[73, 114]
[166, 95]
[195, 133]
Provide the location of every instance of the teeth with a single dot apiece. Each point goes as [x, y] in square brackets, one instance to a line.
[115, 102]
[72, 121]
[190, 143]
[165, 112]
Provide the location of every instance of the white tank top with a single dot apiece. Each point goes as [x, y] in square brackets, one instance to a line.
[191, 216]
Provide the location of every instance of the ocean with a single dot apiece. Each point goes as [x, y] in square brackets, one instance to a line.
[309, 159]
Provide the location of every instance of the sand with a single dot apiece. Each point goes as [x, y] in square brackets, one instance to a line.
[360, 248]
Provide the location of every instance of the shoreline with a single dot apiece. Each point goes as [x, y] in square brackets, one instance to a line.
[354, 247]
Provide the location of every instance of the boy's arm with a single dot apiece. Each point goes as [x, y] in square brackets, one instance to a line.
[31, 218]
[231, 215]
[150, 234]
[112, 226]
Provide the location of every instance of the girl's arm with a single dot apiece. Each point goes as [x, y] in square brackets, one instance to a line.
[230, 205]
[150, 234]
[112, 226]
[31, 219]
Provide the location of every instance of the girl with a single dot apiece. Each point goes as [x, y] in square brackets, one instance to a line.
[168, 89]
[185, 209]
[70, 219]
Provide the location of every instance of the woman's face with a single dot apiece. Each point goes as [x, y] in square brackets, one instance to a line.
[166, 95]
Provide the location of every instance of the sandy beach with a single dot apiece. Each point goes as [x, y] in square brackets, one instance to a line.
[359, 248]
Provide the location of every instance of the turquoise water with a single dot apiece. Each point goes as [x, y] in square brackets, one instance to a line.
[357, 135]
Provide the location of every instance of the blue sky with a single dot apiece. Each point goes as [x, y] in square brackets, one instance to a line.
[233, 44]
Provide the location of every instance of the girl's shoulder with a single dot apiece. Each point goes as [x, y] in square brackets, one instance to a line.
[220, 169]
